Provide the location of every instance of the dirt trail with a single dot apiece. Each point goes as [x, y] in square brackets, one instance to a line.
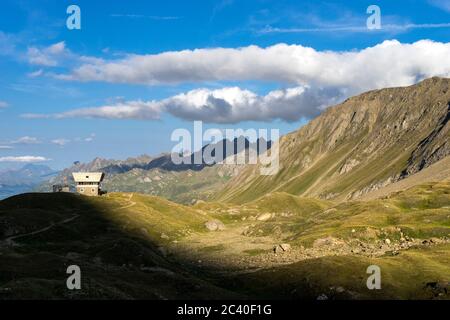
[131, 203]
[10, 240]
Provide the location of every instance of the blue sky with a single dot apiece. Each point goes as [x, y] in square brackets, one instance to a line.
[137, 69]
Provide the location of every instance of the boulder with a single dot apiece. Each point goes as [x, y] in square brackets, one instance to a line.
[164, 236]
[277, 250]
[322, 297]
[214, 225]
[328, 242]
[281, 248]
[264, 217]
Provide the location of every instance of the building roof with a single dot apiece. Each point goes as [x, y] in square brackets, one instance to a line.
[88, 176]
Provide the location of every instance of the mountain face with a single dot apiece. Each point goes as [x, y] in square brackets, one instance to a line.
[23, 179]
[184, 183]
[110, 167]
[363, 144]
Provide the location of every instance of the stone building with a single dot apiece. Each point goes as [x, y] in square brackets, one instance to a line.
[60, 188]
[88, 183]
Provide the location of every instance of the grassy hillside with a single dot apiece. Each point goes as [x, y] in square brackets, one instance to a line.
[115, 240]
[140, 246]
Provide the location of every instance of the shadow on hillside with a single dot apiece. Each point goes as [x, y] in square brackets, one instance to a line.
[42, 234]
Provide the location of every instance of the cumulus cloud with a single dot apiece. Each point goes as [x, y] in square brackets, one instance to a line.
[227, 105]
[26, 140]
[27, 159]
[233, 105]
[390, 63]
[316, 79]
[49, 56]
[3, 104]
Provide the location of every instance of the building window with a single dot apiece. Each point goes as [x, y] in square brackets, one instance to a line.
[93, 190]
[82, 190]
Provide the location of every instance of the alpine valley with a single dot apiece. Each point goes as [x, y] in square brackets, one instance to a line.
[365, 183]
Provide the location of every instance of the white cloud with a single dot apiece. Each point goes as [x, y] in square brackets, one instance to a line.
[390, 63]
[233, 105]
[48, 56]
[3, 104]
[227, 105]
[317, 79]
[5, 147]
[123, 110]
[27, 159]
[60, 142]
[26, 140]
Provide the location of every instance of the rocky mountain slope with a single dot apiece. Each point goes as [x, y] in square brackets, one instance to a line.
[185, 183]
[365, 143]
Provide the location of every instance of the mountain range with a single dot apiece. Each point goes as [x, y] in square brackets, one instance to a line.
[185, 183]
[21, 180]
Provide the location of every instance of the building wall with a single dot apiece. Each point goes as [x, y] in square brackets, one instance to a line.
[59, 188]
[88, 190]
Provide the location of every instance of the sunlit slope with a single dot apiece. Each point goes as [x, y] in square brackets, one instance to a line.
[420, 273]
[421, 212]
[139, 246]
[407, 234]
[363, 144]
